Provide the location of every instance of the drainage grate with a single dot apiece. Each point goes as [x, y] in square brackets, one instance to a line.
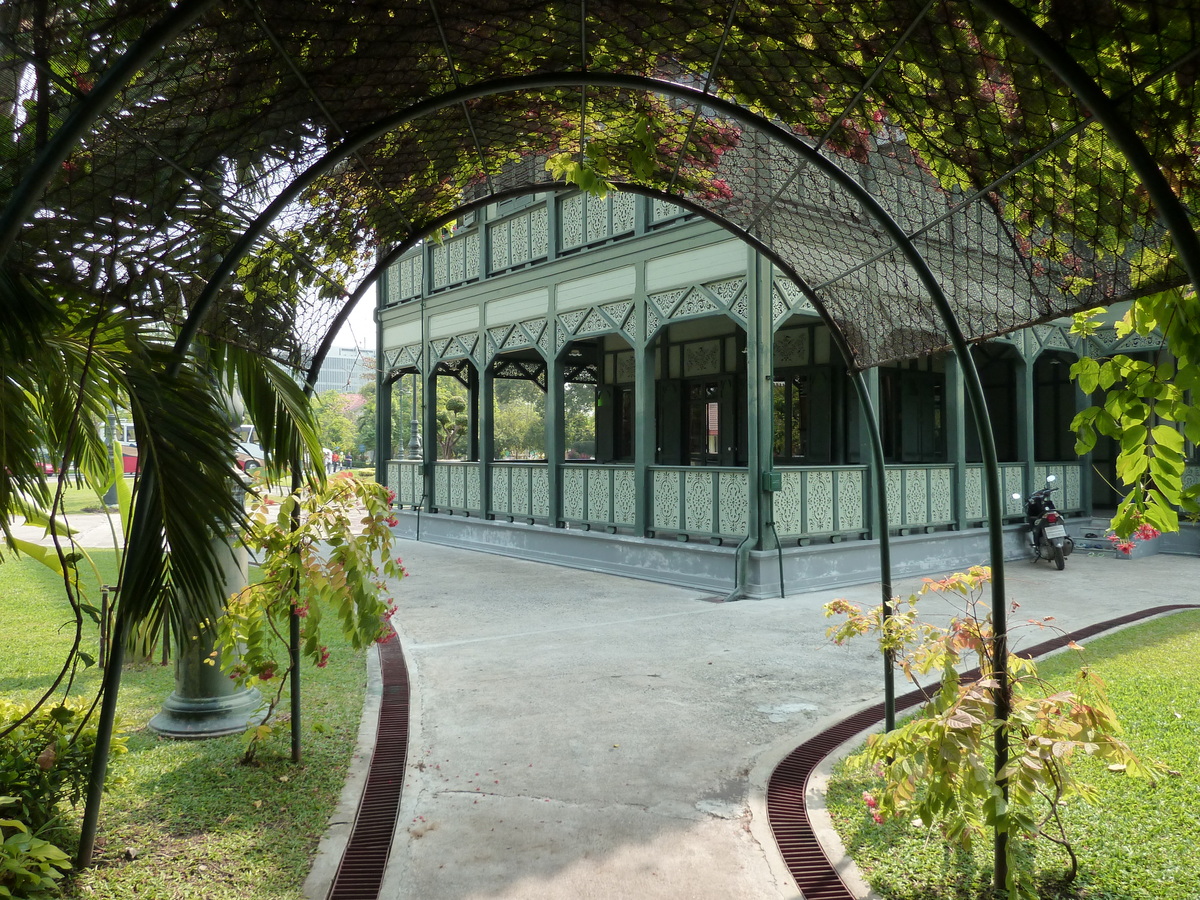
[786, 810]
[360, 873]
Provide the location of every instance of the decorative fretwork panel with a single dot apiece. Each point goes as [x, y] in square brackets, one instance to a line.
[666, 302]
[626, 369]
[701, 358]
[1012, 481]
[792, 347]
[472, 475]
[702, 501]
[454, 253]
[1013, 494]
[819, 502]
[698, 502]
[663, 210]
[599, 490]
[666, 500]
[1068, 478]
[595, 214]
[728, 290]
[916, 496]
[789, 503]
[920, 496]
[733, 502]
[1191, 476]
[624, 207]
[588, 219]
[894, 479]
[458, 486]
[974, 492]
[539, 491]
[574, 490]
[779, 307]
[941, 495]
[571, 219]
[851, 501]
[624, 492]
[501, 246]
[405, 279]
[651, 322]
[519, 239]
[501, 490]
[695, 304]
[448, 260]
[539, 233]
[619, 313]
[441, 485]
[404, 477]
[520, 490]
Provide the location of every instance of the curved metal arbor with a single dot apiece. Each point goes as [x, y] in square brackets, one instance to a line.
[979, 150]
[934, 172]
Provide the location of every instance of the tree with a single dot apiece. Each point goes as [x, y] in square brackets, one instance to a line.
[336, 414]
[452, 428]
[65, 363]
[520, 417]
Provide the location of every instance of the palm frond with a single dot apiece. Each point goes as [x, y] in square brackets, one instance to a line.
[184, 499]
[275, 403]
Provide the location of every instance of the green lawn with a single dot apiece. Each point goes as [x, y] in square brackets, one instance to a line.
[187, 820]
[78, 497]
[1137, 843]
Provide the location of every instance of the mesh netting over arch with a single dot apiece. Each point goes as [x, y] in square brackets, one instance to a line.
[1004, 181]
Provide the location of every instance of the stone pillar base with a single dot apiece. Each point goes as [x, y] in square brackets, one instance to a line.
[193, 719]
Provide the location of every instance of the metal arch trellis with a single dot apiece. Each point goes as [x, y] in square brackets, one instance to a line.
[1167, 203]
[351, 144]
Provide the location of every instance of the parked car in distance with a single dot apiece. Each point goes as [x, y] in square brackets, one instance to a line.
[249, 456]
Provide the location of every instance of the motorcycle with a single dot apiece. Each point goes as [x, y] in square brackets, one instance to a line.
[1048, 535]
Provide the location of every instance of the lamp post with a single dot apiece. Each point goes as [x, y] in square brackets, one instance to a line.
[414, 449]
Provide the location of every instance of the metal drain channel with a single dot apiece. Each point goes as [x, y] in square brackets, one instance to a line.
[787, 813]
[360, 873]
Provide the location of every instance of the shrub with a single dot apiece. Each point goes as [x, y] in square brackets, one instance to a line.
[45, 760]
[939, 767]
[30, 866]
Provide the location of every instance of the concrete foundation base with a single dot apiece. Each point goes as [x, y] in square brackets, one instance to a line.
[710, 568]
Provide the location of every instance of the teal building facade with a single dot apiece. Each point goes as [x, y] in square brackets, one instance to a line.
[730, 449]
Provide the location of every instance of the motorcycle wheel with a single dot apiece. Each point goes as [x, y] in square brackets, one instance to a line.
[1060, 561]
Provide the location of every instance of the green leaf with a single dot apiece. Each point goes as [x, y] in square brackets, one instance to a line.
[1168, 436]
[1086, 371]
[1134, 439]
[47, 556]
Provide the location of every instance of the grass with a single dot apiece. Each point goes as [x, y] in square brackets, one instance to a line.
[78, 497]
[1136, 843]
[186, 819]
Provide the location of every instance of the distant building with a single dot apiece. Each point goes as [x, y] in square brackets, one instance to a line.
[345, 371]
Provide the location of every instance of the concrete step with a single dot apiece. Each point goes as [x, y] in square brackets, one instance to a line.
[1091, 536]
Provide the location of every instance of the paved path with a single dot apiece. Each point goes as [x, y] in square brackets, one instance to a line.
[577, 735]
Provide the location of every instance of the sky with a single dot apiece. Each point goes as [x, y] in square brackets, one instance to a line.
[359, 330]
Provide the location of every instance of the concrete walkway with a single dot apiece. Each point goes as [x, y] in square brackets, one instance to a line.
[576, 735]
